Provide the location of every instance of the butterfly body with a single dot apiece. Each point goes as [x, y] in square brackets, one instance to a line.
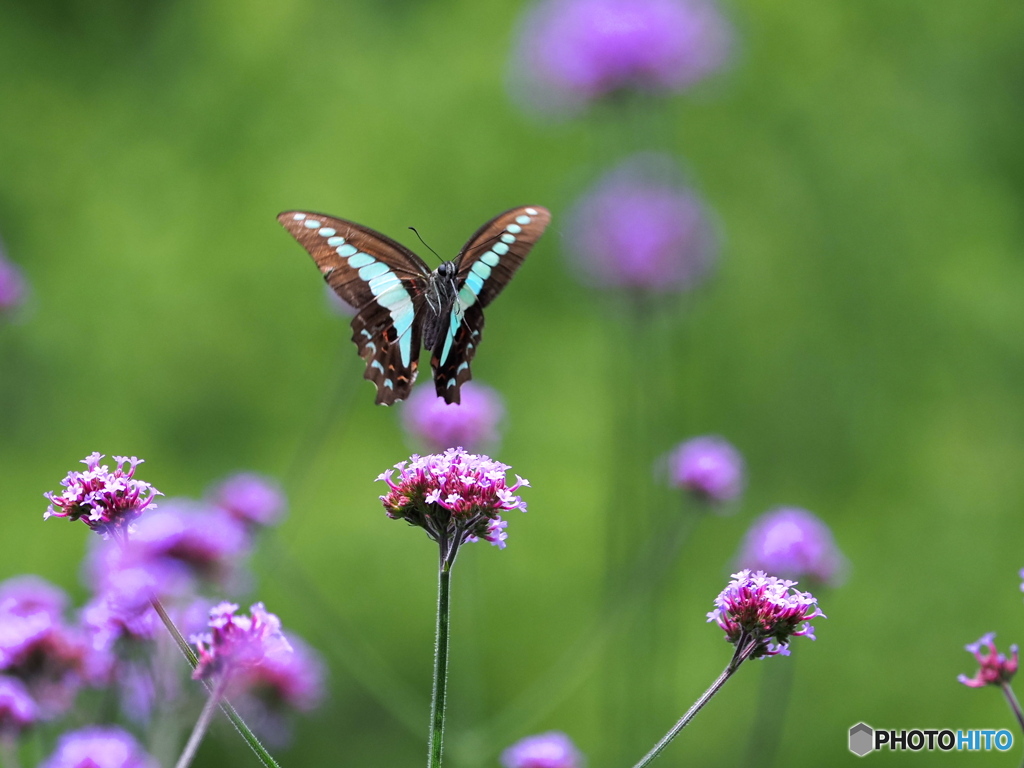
[401, 303]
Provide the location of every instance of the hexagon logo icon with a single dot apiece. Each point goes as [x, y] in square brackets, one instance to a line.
[862, 738]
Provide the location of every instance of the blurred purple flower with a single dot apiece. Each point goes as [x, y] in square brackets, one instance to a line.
[438, 425]
[18, 710]
[794, 543]
[454, 496]
[640, 229]
[708, 467]
[546, 750]
[759, 614]
[37, 647]
[13, 287]
[28, 594]
[96, 747]
[337, 304]
[235, 643]
[251, 498]
[993, 667]
[108, 502]
[572, 52]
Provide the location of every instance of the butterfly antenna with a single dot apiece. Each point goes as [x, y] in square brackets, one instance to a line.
[425, 244]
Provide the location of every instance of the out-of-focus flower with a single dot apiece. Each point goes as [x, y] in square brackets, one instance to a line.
[337, 304]
[759, 614]
[170, 553]
[473, 423]
[235, 643]
[708, 467]
[37, 647]
[572, 52]
[251, 498]
[641, 229]
[18, 710]
[282, 682]
[454, 496]
[28, 594]
[993, 668]
[13, 287]
[95, 747]
[108, 502]
[546, 750]
[794, 543]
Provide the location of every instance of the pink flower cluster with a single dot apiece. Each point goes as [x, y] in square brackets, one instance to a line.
[759, 609]
[105, 501]
[993, 667]
[453, 493]
[237, 642]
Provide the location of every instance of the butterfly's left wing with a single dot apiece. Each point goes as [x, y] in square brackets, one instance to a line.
[484, 267]
[383, 280]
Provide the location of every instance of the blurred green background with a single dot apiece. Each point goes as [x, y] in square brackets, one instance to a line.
[860, 341]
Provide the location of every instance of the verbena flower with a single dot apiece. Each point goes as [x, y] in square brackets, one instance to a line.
[18, 710]
[252, 498]
[108, 502]
[438, 425]
[709, 468]
[13, 287]
[95, 747]
[51, 658]
[993, 667]
[794, 543]
[454, 496]
[546, 750]
[759, 614]
[640, 229]
[234, 643]
[572, 52]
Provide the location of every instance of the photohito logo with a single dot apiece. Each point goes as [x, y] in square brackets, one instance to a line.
[865, 739]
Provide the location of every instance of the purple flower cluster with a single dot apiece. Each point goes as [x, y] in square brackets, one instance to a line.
[251, 498]
[473, 423]
[759, 614]
[993, 668]
[794, 543]
[18, 710]
[108, 502]
[96, 747]
[707, 467]
[237, 642]
[572, 52]
[640, 229]
[546, 750]
[455, 496]
[49, 657]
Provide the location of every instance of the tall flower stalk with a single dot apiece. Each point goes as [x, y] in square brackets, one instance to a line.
[759, 614]
[456, 497]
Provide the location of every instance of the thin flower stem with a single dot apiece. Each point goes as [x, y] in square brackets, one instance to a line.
[738, 658]
[1011, 699]
[444, 575]
[225, 705]
[9, 752]
[201, 726]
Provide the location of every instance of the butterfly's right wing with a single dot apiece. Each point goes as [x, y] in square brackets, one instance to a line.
[383, 280]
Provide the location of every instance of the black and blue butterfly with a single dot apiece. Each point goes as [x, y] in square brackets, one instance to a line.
[400, 303]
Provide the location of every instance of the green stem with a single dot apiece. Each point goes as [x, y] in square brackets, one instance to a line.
[1014, 704]
[202, 724]
[743, 651]
[9, 752]
[444, 575]
[225, 705]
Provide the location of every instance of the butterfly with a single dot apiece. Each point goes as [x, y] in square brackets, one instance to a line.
[400, 303]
